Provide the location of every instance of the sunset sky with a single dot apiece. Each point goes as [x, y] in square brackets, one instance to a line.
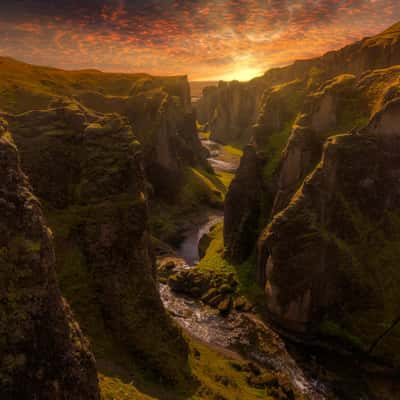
[205, 39]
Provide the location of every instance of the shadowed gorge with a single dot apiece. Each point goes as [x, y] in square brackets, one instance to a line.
[168, 239]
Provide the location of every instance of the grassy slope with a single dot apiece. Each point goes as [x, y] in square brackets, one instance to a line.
[24, 87]
[218, 377]
[245, 273]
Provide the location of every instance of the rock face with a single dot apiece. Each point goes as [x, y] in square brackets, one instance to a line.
[165, 124]
[42, 350]
[327, 140]
[296, 117]
[242, 208]
[336, 106]
[88, 169]
[333, 251]
[229, 109]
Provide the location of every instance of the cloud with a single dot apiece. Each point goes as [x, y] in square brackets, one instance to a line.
[202, 38]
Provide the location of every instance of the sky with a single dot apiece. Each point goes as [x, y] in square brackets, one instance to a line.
[204, 39]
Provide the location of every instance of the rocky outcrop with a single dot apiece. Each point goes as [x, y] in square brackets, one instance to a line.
[214, 289]
[88, 170]
[242, 208]
[332, 265]
[230, 110]
[42, 350]
[206, 105]
[337, 106]
[164, 123]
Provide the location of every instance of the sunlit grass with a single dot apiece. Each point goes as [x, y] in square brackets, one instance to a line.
[245, 273]
[234, 151]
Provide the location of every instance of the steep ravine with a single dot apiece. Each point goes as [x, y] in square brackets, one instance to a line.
[313, 372]
[239, 335]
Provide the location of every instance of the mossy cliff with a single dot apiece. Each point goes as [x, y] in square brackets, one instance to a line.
[228, 110]
[326, 146]
[87, 169]
[42, 350]
[243, 208]
[293, 125]
[333, 252]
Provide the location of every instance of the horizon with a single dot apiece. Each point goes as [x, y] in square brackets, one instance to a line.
[208, 40]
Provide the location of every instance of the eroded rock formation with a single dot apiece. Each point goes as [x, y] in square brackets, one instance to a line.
[43, 353]
[333, 251]
[242, 208]
[87, 168]
[328, 151]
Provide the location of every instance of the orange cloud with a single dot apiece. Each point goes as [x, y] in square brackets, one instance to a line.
[206, 39]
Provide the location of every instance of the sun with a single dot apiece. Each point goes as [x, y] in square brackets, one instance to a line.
[242, 74]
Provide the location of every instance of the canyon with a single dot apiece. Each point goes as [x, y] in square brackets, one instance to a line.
[241, 244]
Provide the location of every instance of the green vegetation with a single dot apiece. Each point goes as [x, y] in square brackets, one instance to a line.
[334, 330]
[25, 87]
[200, 190]
[225, 178]
[217, 375]
[201, 187]
[244, 274]
[232, 150]
[276, 144]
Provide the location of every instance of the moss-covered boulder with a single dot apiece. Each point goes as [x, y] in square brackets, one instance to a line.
[215, 289]
[43, 353]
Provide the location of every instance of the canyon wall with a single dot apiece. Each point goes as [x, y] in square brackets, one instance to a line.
[326, 145]
[43, 352]
[87, 169]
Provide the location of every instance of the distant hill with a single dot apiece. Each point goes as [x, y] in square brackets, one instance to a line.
[25, 87]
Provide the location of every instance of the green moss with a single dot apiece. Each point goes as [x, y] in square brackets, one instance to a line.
[244, 273]
[372, 251]
[235, 151]
[200, 187]
[217, 377]
[20, 244]
[225, 178]
[334, 330]
[204, 135]
[273, 150]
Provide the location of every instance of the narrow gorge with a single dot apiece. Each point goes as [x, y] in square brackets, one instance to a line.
[240, 244]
